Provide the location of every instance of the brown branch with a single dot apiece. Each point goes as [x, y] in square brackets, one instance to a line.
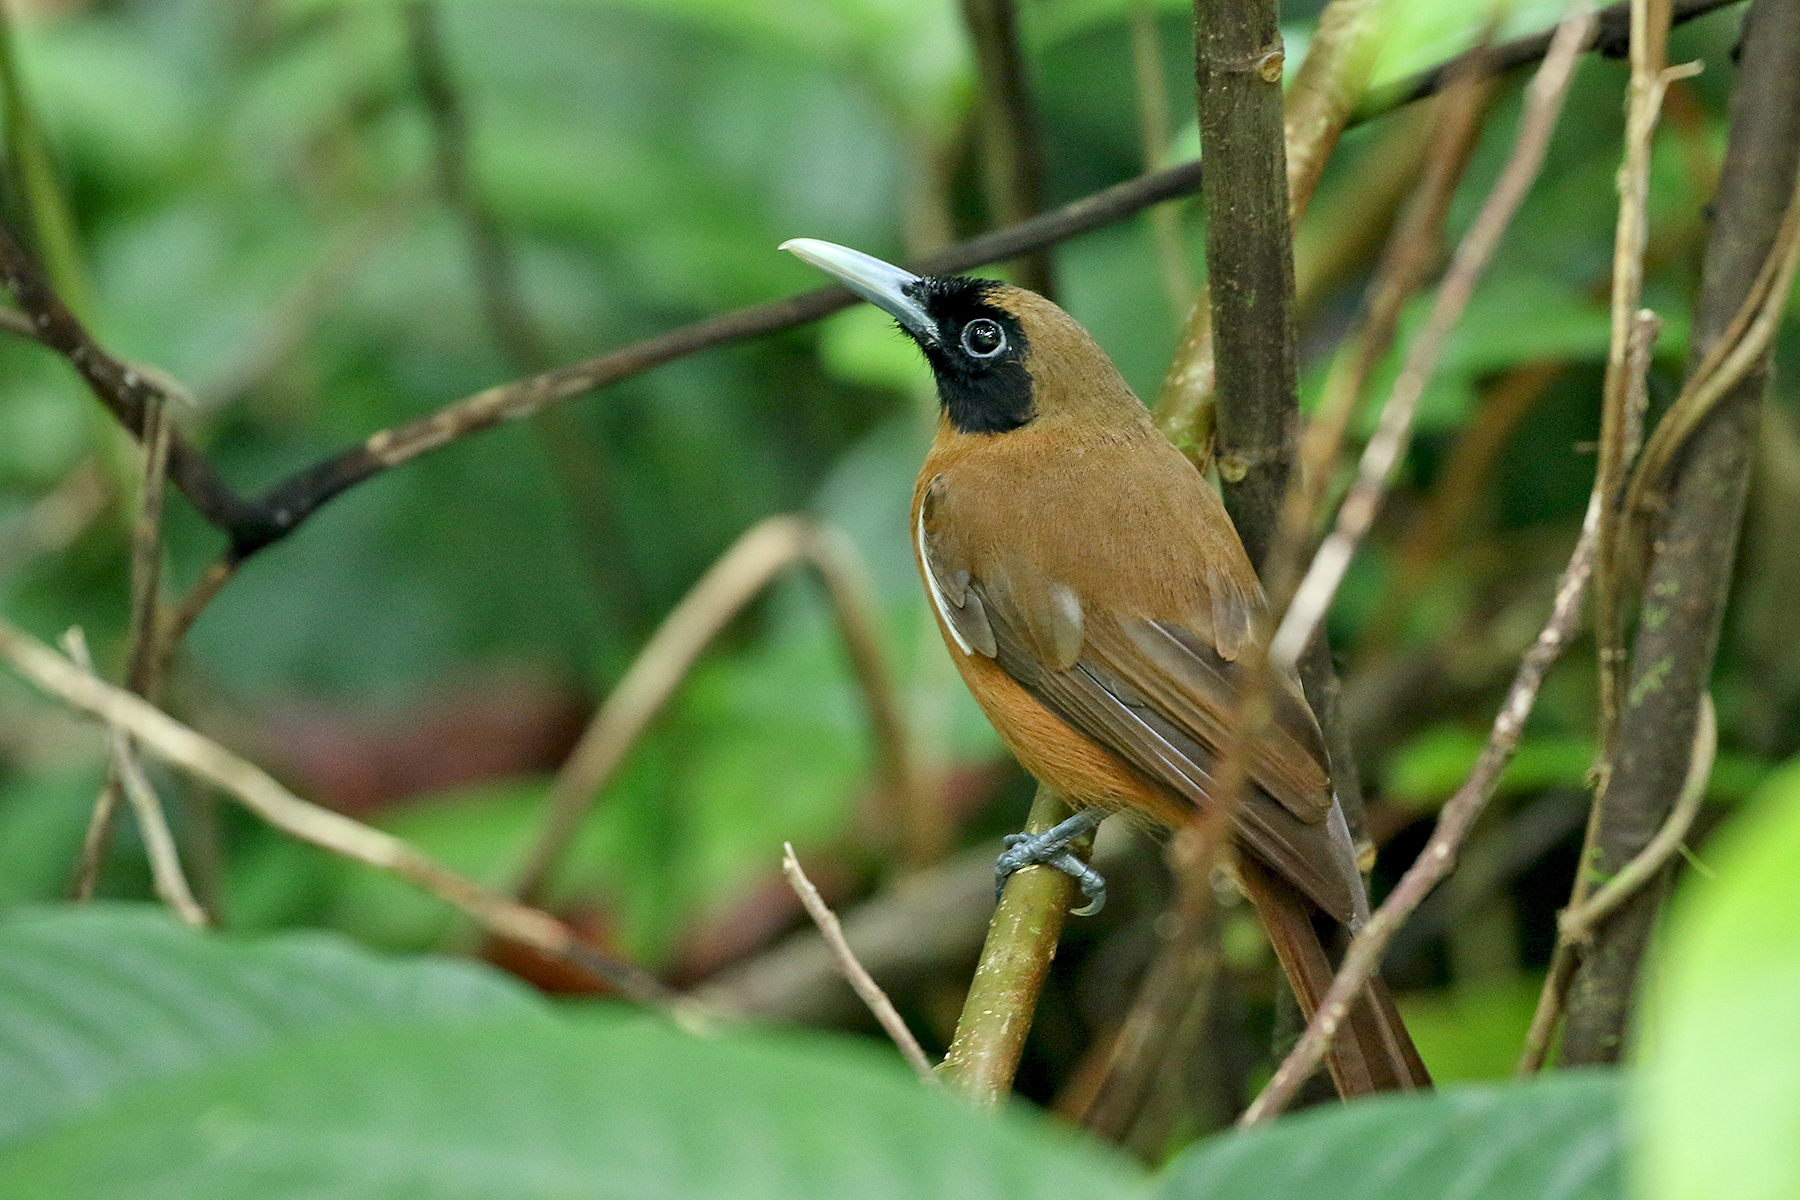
[1011, 150]
[1249, 258]
[126, 391]
[1563, 958]
[159, 843]
[140, 671]
[181, 747]
[1697, 523]
[733, 581]
[176, 623]
[251, 525]
[854, 972]
[1611, 37]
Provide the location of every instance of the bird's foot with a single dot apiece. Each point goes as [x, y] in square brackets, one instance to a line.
[1051, 849]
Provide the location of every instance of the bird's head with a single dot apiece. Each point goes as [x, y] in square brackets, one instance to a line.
[1003, 357]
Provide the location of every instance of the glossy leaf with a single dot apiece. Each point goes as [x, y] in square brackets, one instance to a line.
[1555, 1138]
[99, 1001]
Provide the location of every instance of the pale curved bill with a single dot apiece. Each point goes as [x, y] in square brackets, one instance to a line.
[882, 284]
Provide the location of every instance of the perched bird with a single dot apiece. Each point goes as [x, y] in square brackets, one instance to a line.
[1095, 598]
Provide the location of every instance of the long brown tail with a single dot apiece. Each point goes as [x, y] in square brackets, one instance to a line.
[1372, 1051]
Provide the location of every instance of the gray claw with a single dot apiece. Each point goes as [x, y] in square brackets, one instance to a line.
[1051, 849]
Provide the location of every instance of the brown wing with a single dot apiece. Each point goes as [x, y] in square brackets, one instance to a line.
[1158, 696]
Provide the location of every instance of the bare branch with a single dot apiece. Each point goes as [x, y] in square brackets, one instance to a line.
[1619, 444]
[140, 671]
[159, 843]
[181, 747]
[253, 524]
[1611, 36]
[1438, 857]
[126, 391]
[1576, 923]
[854, 972]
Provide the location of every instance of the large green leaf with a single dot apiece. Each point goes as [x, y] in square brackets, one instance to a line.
[95, 1001]
[145, 1060]
[1555, 1138]
[1720, 1101]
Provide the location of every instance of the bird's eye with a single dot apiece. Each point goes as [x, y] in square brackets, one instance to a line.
[983, 338]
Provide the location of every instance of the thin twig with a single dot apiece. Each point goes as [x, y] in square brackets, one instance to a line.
[854, 972]
[140, 672]
[1563, 959]
[1650, 79]
[733, 581]
[1690, 540]
[1459, 812]
[159, 842]
[126, 390]
[1439, 855]
[1611, 36]
[180, 746]
[1393, 434]
[1576, 923]
[176, 623]
[1726, 363]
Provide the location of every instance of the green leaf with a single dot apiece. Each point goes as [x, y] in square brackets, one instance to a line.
[1554, 1138]
[1720, 1095]
[98, 999]
[208, 1069]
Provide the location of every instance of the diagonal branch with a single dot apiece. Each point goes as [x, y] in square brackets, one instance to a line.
[176, 744]
[733, 581]
[252, 524]
[854, 972]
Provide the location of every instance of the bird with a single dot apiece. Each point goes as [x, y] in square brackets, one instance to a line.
[1097, 600]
